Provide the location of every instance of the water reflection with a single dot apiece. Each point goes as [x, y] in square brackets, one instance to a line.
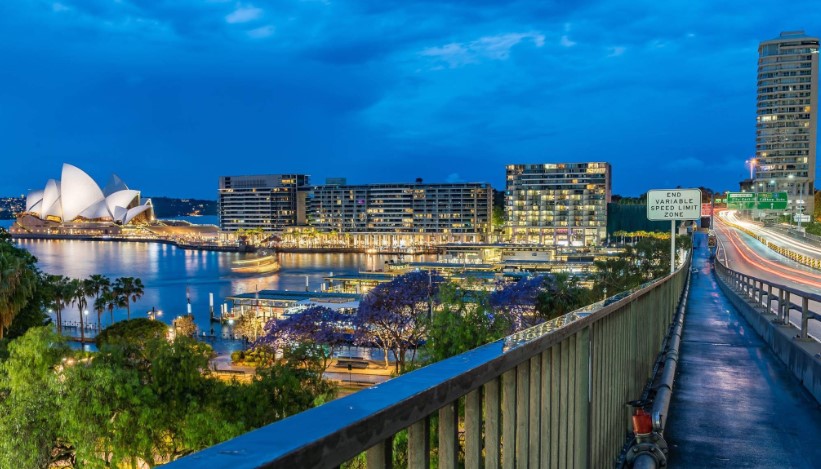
[168, 272]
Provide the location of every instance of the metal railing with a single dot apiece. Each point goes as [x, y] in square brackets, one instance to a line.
[774, 297]
[552, 396]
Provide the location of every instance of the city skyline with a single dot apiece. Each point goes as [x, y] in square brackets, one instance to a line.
[382, 92]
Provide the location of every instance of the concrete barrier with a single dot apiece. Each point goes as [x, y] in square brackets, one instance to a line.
[803, 358]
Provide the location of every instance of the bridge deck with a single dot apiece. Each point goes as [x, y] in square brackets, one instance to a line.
[735, 404]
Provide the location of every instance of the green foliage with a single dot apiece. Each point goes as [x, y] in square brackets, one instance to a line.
[18, 283]
[561, 295]
[814, 228]
[116, 409]
[136, 332]
[462, 323]
[30, 395]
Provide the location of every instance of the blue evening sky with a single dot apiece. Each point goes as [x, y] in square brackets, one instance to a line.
[171, 94]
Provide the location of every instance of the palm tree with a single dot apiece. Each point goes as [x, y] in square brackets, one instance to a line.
[109, 301]
[61, 297]
[128, 289]
[79, 295]
[96, 285]
[17, 283]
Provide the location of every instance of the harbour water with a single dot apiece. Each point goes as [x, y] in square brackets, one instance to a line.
[171, 275]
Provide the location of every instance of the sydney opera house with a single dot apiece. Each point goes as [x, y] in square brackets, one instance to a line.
[77, 200]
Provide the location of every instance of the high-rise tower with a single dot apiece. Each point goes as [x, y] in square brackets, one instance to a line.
[786, 121]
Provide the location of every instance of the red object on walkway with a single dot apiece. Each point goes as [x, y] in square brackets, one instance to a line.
[642, 425]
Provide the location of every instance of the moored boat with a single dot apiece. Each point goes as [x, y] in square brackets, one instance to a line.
[256, 265]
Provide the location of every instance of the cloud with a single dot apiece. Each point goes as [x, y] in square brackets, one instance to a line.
[454, 177]
[58, 7]
[496, 47]
[616, 51]
[262, 32]
[243, 14]
[566, 42]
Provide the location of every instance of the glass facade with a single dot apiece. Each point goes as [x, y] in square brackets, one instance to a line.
[563, 204]
[786, 119]
[270, 202]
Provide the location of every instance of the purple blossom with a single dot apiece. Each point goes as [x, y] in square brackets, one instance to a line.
[394, 315]
[517, 301]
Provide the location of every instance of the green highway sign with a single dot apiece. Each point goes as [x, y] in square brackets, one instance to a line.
[759, 200]
[772, 201]
[741, 200]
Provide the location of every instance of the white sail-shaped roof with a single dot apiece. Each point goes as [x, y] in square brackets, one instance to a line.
[98, 211]
[33, 198]
[115, 184]
[120, 213]
[80, 194]
[121, 199]
[51, 200]
[136, 211]
[36, 207]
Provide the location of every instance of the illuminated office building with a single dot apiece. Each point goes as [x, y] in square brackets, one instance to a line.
[403, 214]
[269, 201]
[786, 121]
[563, 204]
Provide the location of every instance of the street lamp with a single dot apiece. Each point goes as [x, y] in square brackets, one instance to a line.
[751, 163]
[152, 315]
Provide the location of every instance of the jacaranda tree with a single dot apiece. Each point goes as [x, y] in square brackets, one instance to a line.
[517, 301]
[395, 316]
[316, 325]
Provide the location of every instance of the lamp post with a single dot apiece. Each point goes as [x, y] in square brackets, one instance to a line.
[751, 163]
[794, 204]
[152, 315]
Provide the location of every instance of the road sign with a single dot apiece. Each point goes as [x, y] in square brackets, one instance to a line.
[741, 200]
[674, 204]
[771, 200]
[706, 210]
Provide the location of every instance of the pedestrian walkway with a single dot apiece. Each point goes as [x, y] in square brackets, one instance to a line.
[734, 403]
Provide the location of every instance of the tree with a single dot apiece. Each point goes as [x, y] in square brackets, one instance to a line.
[517, 301]
[463, 322]
[61, 294]
[138, 332]
[17, 286]
[30, 393]
[79, 296]
[98, 285]
[249, 326]
[129, 290]
[395, 315]
[315, 325]
[561, 295]
[184, 326]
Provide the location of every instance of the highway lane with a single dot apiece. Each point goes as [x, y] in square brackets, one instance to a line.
[774, 236]
[745, 254]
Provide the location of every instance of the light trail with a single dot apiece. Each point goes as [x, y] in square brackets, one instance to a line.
[778, 238]
[780, 269]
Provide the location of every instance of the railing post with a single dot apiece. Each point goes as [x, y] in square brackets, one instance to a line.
[380, 456]
[780, 305]
[522, 413]
[448, 439]
[509, 419]
[805, 318]
[473, 429]
[583, 370]
[769, 296]
[787, 306]
[492, 441]
[419, 444]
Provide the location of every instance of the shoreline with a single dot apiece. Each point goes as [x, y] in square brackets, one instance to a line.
[216, 248]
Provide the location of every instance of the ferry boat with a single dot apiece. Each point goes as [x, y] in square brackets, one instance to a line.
[257, 265]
